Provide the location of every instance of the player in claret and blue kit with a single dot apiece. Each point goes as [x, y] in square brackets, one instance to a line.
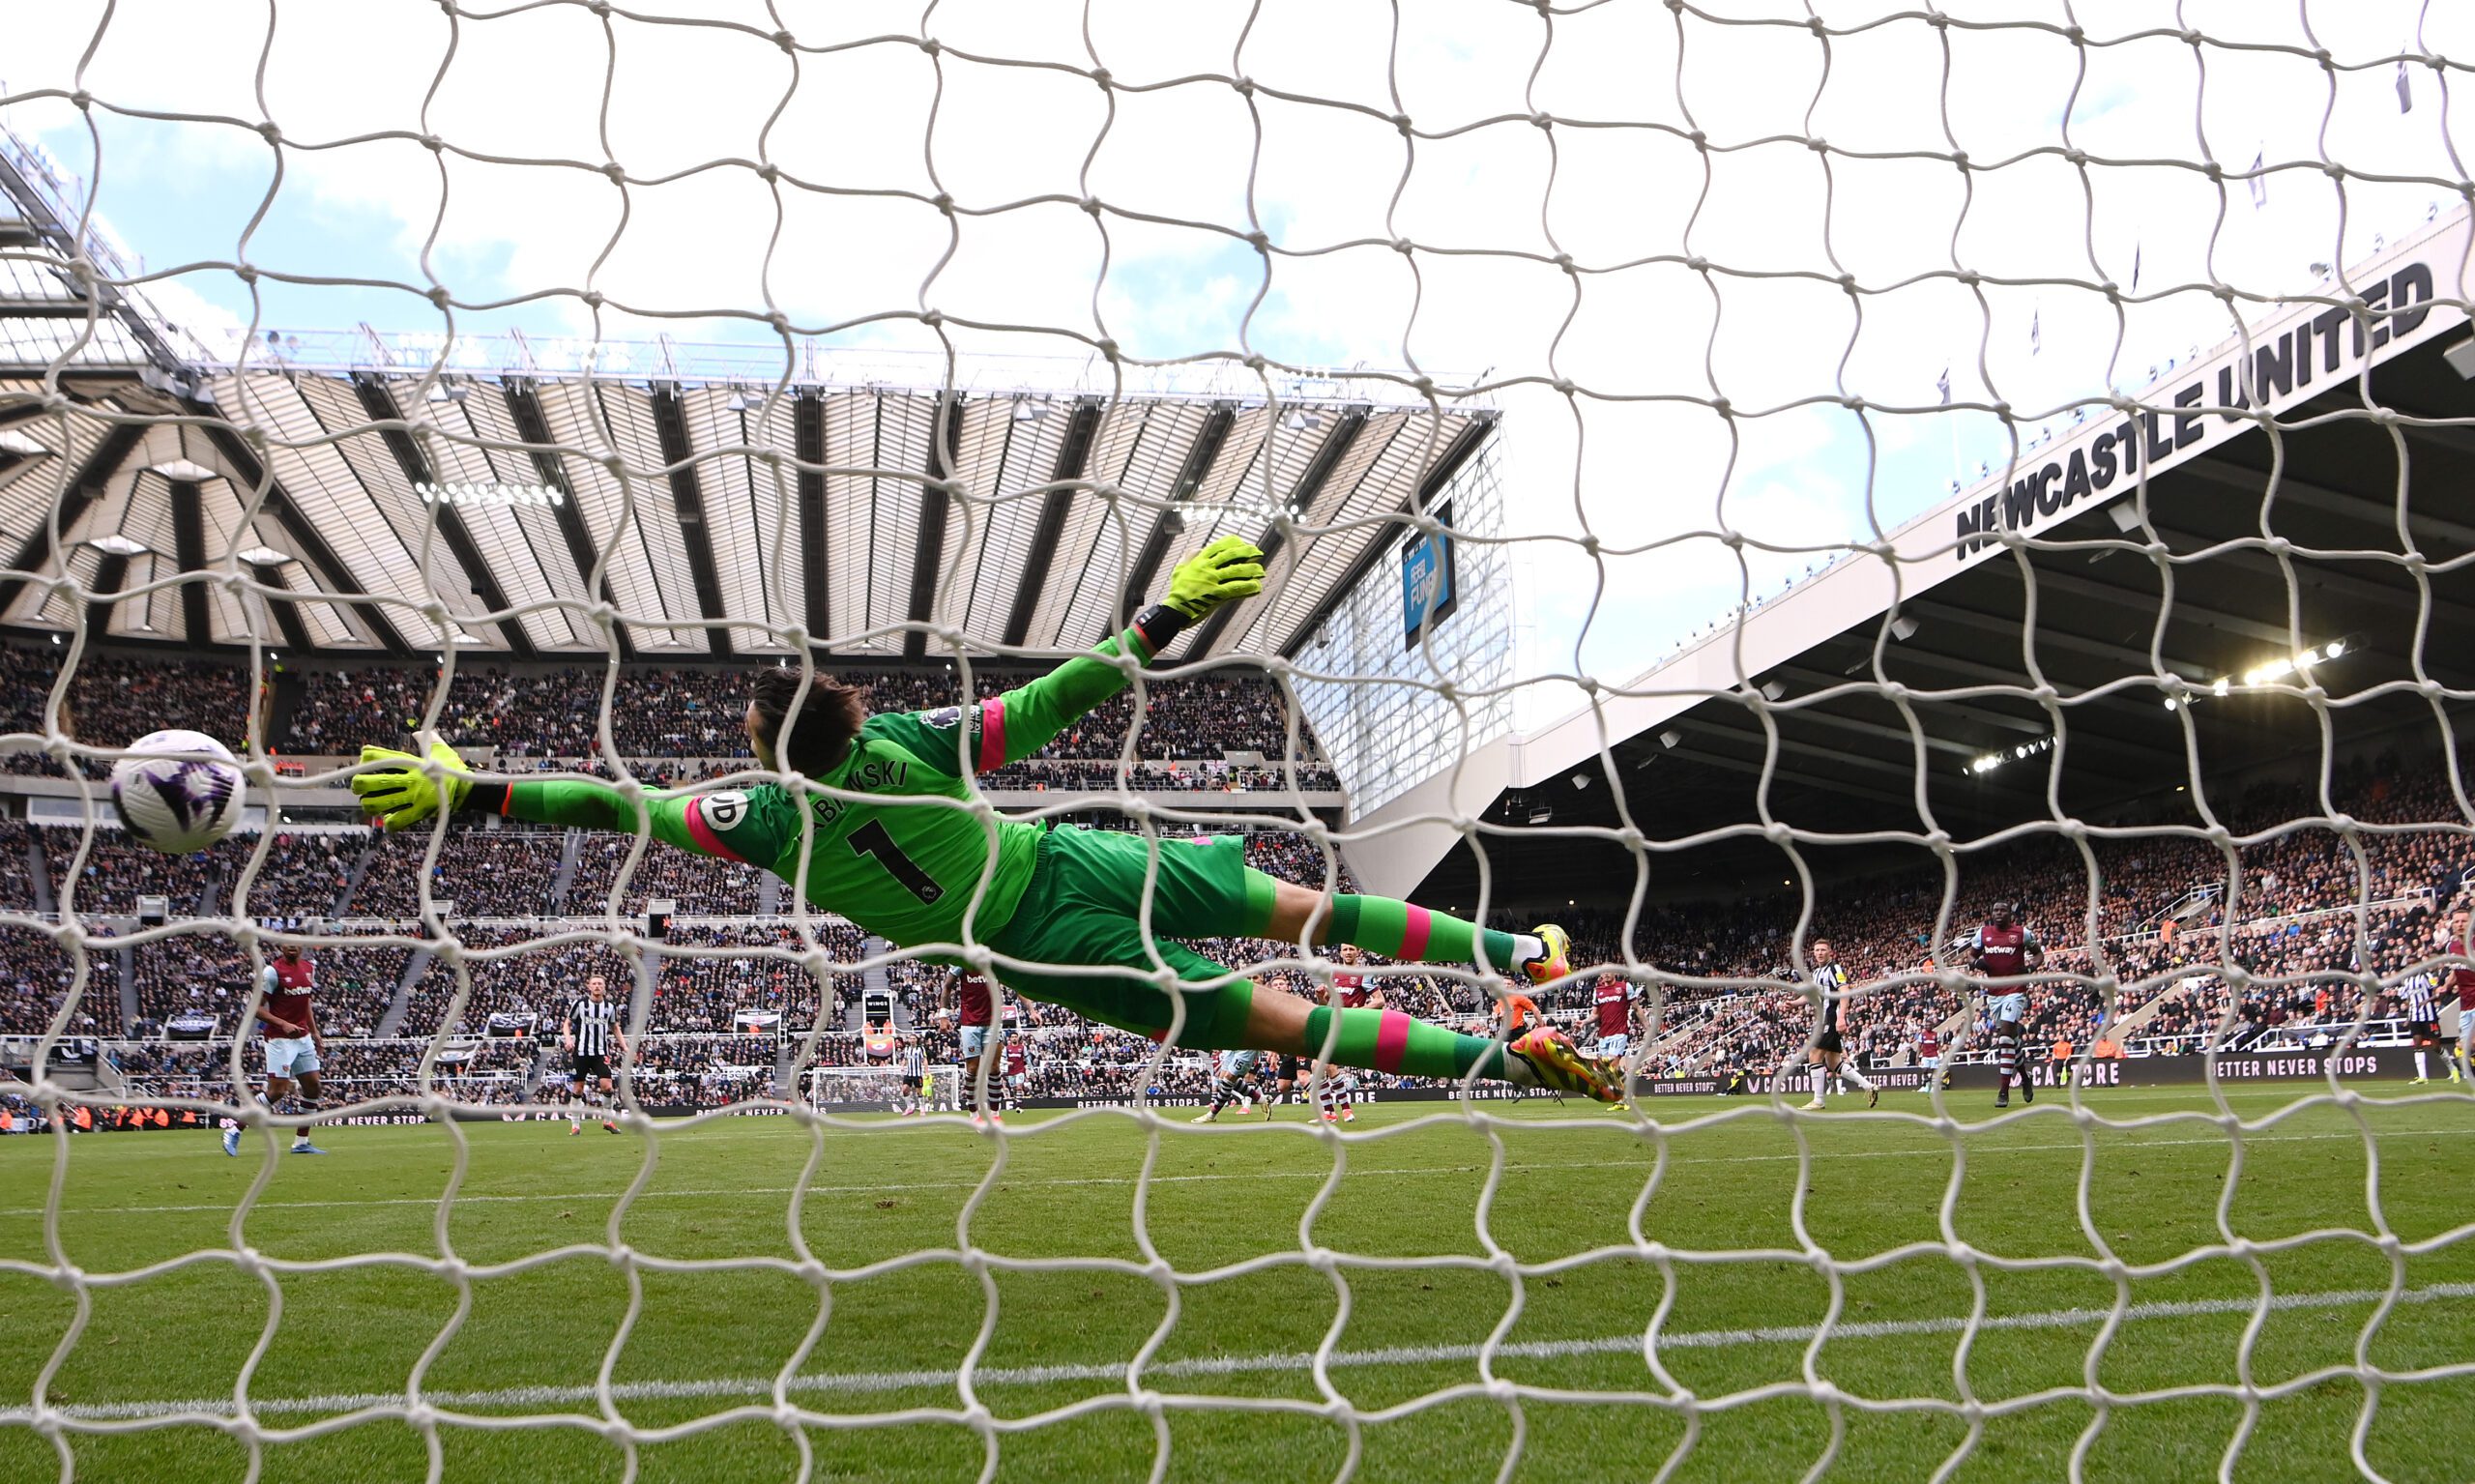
[897, 847]
[290, 1023]
[2004, 948]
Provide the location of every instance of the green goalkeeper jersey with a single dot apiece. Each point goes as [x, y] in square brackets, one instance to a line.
[907, 856]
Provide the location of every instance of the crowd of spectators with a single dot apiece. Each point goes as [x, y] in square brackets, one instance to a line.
[486, 873]
[19, 853]
[539, 980]
[483, 1073]
[117, 872]
[2136, 946]
[114, 700]
[302, 875]
[205, 977]
[653, 712]
[697, 712]
[36, 977]
[698, 992]
[2161, 904]
[1206, 776]
[704, 886]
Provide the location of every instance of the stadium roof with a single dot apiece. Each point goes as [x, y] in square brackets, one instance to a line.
[2350, 530]
[818, 509]
[829, 504]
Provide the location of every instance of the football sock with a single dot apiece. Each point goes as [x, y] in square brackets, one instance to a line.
[1855, 1078]
[1820, 1080]
[1390, 1042]
[2419, 1063]
[1396, 929]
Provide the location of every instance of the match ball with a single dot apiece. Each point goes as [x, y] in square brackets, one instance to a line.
[176, 803]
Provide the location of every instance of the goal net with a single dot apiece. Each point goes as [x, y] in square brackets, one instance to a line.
[1926, 541]
[849, 1088]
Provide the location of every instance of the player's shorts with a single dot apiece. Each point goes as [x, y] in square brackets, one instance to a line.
[589, 1068]
[1291, 1067]
[2013, 1007]
[911, 1084]
[291, 1056]
[1082, 906]
[1612, 1046]
[975, 1041]
[1238, 1064]
[1829, 1041]
[2420, 1032]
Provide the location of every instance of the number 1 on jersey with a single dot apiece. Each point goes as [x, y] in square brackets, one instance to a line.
[874, 839]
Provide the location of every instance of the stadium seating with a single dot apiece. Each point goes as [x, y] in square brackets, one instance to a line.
[2158, 905]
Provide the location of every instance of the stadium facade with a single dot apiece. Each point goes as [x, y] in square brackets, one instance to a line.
[2263, 560]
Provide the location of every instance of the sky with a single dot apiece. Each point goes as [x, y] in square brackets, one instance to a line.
[1559, 178]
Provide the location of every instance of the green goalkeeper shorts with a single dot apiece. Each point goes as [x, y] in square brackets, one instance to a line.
[1082, 910]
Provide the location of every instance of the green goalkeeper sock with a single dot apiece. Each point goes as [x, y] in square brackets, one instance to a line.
[1414, 934]
[1390, 1042]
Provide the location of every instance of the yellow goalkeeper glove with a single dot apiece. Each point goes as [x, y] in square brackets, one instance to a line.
[1229, 568]
[405, 795]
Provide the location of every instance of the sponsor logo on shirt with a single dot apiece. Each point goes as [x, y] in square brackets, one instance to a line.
[944, 717]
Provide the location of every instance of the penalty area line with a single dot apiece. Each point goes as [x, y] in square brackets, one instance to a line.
[871, 1382]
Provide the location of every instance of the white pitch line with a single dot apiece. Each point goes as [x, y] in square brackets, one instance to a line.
[1357, 1172]
[868, 1383]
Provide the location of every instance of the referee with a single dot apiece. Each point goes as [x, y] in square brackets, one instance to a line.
[589, 1036]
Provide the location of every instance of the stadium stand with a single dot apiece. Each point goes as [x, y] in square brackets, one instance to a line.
[1722, 970]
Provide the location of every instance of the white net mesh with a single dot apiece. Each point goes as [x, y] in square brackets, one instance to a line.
[1926, 460]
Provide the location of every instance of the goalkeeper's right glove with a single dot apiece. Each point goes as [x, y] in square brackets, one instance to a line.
[404, 795]
[1229, 568]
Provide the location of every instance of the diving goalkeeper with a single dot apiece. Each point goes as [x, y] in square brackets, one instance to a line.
[899, 853]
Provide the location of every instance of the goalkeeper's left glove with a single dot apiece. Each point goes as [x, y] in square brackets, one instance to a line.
[1229, 568]
[404, 795]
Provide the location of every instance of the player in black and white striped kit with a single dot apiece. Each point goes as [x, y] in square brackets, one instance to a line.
[1828, 1056]
[590, 1035]
[912, 1058]
[2422, 1003]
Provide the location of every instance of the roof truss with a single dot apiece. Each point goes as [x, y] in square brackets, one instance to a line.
[687, 497]
[249, 473]
[807, 446]
[928, 553]
[380, 401]
[35, 552]
[1430, 484]
[524, 406]
[1073, 459]
[1302, 496]
[1146, 566]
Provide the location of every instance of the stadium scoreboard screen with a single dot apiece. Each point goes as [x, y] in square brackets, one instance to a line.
[1428, 594]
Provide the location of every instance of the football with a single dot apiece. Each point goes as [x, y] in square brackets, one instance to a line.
[171, 797]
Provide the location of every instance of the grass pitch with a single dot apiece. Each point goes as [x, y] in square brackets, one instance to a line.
[1243, 1253]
